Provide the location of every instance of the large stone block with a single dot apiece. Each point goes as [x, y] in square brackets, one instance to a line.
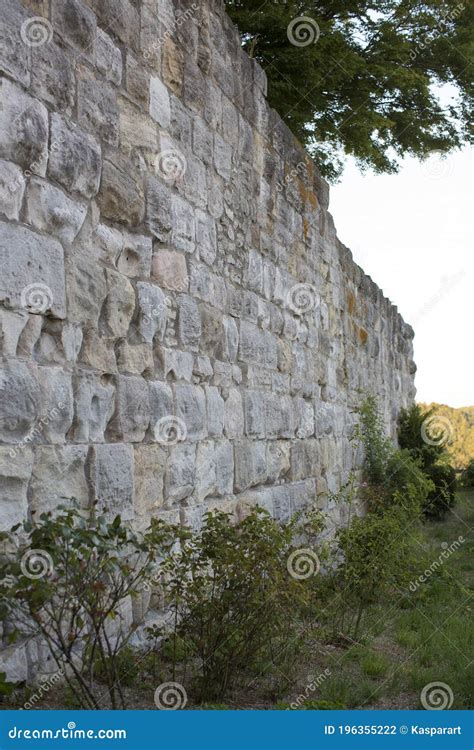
[278, 459]
[12, 188]
[112, 479]
[56, 408]
[97, 108]
[191, 409]
[119, 304]
[23, 128]
[215, 411]
[161, 410]
[14, 54]
[180, 473]
[169, 269]
[87, 290]
[159, 103]
[52, 212]
[250, 464]
[32, 271]
[59, 477]
[189, 322]
[150, 461]
[52, 76]
[132, 410]
[121, 197]
[76, 24]
[158, 208]
[94, 405]
[75, 157]
[152, 312]
[16, 466]
[183, 232]
[233, 414]
[108, 58]
[254, 411]
[206, 238]
[21, 402]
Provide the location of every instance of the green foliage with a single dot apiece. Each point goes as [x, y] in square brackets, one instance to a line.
[233, 597]
[468, 475]
[431, 458]
[460, 447]
[367, 87]
[378, 448]
[69, 578]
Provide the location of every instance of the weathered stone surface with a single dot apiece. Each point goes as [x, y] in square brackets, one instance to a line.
[119, 304]
[94, 405]
[150, 463]
[191, 408]
[169, 269]
[159, 103]
[215, 411]
[49, 210]
[23, 129]
[233, 414]
[75, 158]
[112, 481]
[56, 407]
[121, 195]
[21, 402]
[32, 271]
[180, 473]
[135, 359]
[87, 287]
[59, 477]
[153, 311]
[16, 465]
[52, 76]
[14, 54]
[75, 23]
[98, 108]
[12, 188]
[132, 410]
[183, 232]
[108, 58]
[250, 464]
[189, 322]
[254, 411]
[135, 258]
[206, 239]
[161, 409]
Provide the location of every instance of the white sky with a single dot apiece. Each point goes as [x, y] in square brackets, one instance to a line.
[413, 234]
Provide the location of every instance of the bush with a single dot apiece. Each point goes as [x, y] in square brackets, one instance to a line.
[431, 458]
[69, 579]
[233, 598]
[468, 475]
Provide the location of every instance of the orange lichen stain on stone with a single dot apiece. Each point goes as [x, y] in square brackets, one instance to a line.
[363, 335]
[306, 226]
[351, 302]
[307, 196]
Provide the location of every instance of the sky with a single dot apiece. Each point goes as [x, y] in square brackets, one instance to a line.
[413, 234]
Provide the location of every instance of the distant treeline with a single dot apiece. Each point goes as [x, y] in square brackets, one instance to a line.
[461, 445]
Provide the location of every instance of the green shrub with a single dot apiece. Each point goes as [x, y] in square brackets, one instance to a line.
[410, 435]
[234, 600]
[443, 495]
[69, 578]
[467, 478]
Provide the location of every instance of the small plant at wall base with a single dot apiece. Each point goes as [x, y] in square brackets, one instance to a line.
[235, 603]
[70, 582]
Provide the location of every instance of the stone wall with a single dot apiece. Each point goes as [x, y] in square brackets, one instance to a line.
[181, 327]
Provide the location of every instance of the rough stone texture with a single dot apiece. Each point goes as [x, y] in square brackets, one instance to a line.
[165, 219]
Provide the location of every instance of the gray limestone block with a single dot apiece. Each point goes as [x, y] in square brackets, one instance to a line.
[254, 412]
[21, 402]
[94, 406]
[52, 76]
[108, 58]
[189, 322]
[59, 477]
[183, 225]
[12, 188]
[121, 196]
[158, 208]
[180, 475]
[97, 107]
[56, 408]
[15, 58]
[191, 409]
[75, 157]
[250, 464]
[152, 311]
[16, 465]
[215, 411]
[112, 479]
[32, 271]
[161, 407]
[75, 23]
[278, 459]
[206, 237]
[132, 409]
[50, 211]
[135, 257]
[149, 464]
[233, 414]
[119, 305]
[23, 129]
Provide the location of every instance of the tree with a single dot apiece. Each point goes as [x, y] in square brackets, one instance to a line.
[363, 76]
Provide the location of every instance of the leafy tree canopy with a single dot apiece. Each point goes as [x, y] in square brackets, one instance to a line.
[363, 77]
